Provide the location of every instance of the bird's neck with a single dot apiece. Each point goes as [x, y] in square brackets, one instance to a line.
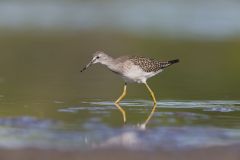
[109, 62]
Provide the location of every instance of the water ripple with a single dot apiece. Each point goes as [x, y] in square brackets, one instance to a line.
[219, 106]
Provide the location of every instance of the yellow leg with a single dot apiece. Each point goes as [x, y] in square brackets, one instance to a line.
[119, 99]
[152, 94]
[122, 111]
[123, 94]
[143, 125]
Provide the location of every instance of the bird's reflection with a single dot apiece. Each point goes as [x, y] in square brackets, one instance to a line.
[142, 125]
[122, 111]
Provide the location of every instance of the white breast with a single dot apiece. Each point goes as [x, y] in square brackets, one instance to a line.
[136, 74]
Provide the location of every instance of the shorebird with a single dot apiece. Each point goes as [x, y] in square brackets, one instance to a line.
[133, 69]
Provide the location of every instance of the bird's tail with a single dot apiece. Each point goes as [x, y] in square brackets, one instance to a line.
[173, 61]
[168, 63]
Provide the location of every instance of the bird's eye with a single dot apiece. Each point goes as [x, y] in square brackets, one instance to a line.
[97, 57]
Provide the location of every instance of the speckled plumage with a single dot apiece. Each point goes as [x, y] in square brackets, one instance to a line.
[148, 64]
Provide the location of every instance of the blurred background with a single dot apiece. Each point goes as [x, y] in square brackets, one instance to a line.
[45, 43]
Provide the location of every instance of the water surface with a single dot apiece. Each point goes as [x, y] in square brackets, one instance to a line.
[98, 123]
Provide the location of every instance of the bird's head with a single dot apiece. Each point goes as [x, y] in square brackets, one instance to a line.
[98, 57]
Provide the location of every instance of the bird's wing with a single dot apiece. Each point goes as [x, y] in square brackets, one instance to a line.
[148, 64]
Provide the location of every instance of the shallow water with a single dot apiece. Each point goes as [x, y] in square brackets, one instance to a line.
[98, 123]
